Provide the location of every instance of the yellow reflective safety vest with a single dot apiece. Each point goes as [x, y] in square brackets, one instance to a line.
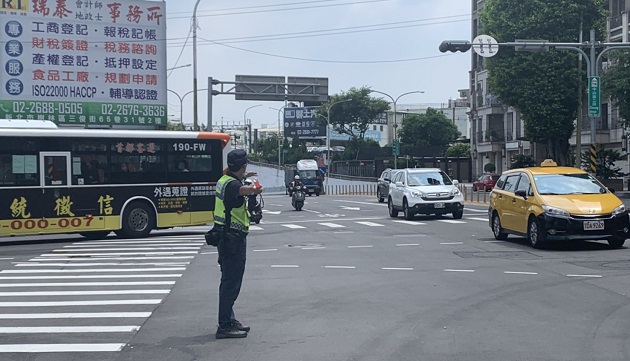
[239, 217]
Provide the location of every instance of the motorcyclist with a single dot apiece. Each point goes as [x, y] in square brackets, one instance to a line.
[294, 184]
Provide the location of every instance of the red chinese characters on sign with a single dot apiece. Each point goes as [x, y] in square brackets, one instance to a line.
[114, 11]
[40, 7]
[134, 14]
[154, 14]
[61, 11]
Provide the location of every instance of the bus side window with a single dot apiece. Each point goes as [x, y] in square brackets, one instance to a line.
[19, 170]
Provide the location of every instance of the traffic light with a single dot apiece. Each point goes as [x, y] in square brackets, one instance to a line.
[396, 147]
[455, 45]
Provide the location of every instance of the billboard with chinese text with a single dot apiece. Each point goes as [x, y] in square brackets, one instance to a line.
[84, 62]
[303, 123]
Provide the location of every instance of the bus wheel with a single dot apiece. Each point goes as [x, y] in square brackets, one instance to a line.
[138, 220]
[95, 235]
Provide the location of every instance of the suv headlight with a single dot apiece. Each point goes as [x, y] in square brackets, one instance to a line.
[417, 194]
[455, 191]
[619, 210]
[557, 212]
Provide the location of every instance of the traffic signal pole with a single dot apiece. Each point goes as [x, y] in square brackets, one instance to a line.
[486, 46]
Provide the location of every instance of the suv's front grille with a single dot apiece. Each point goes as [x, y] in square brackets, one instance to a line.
[437, 196]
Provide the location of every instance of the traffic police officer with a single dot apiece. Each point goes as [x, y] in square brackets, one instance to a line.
[230, 194]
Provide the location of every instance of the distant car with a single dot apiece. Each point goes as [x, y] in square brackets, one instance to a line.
[384, 181]
[424, 191]
[556, 203]
[486, 181]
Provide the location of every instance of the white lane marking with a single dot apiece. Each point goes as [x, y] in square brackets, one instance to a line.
[88, 284]
[62, 347]
[371, 224]
[366, 246]
[340, 267]
[476, 210]
[32, 264]
[88, 276]
[133, 243]
[398, 268]
[126, 249]
[337, 220]
[451, 221]
[40, 316]
[84, 293]
[332, 225]
[265, 250]
[255, 228]
[587, 276]
[357, 202]
[308, 210]
[68, 329]
[8, 258]
[102, 270]
[451, 243]
[350, 208]
[493, 241]
[80, 303]
[478, 219]
[215, 252]
[94, 247]
[407, 244]
[92, 259]
[311, 248]
[117, 254]
[460, 270]
[194, 236]
[520, 273]
[284, 266]
[411, 223]
[293, 226]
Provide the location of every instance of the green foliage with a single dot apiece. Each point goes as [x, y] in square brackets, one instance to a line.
[430, 129]
[458, 150]
[353, 116]
[268, 149]
[522, 161]
[489, 168]
[542, 86]
[175, 126]
[616, 82]
[606, 160]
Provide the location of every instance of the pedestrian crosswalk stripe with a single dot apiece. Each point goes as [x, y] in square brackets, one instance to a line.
[411, 223]
[60, 315]
[478, 219]
[451, 221]
[87, 284]
[62, 347]
[293, 226]
[332, 225]
[68, 329]
[255, 228]
[84, 293]
[100, 270]
[80, 303]
[371, 224]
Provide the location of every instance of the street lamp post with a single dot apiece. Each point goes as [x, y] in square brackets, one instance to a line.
[394, 101]
[181, 103]
[279, 143]
[328, 140]
[249, 134]
[194, 30]
[178, 67]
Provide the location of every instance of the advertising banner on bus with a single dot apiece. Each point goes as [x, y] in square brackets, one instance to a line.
[84, 62]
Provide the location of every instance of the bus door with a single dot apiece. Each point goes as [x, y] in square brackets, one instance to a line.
[55, 169]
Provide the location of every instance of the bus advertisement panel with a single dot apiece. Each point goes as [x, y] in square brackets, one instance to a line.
[130, 182]
[84, 62]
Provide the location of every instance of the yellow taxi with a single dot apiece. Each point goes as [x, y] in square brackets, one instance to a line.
[556, 203]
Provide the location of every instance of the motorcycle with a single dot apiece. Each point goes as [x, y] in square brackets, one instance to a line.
[297, 199]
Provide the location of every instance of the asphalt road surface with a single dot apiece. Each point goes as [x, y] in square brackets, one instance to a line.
[339, 280]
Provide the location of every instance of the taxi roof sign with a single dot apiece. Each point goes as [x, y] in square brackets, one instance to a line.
[548, 163]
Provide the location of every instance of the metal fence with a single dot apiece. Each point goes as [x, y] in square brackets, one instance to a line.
[352, 189]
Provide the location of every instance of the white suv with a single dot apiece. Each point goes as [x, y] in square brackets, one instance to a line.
[424, 191]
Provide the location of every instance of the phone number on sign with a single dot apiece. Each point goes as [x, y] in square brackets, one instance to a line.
[44, 223]
[133, 110]
[47, 108]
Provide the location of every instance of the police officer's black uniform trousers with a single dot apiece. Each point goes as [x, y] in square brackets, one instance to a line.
[232, 257]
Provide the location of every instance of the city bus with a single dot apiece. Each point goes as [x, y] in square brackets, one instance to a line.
[95, 181]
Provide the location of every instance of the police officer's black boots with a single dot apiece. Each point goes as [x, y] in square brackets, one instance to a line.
[229, 331]
[239, 326]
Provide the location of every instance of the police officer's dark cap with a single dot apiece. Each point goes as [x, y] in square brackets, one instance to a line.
[237, 158]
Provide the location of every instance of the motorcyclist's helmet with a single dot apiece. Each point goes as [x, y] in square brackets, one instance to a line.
[297, 177]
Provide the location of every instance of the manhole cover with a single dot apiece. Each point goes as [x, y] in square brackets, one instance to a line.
[306, 245]
[498, 254]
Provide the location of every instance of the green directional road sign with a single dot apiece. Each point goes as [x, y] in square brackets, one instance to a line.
[396, 147]
[594, 96]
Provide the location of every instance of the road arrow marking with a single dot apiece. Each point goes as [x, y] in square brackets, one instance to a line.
[351, 208]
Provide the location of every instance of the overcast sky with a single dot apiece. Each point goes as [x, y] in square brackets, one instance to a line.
[388, 45]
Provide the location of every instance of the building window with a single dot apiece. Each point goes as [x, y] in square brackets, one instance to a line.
[382, 128]
[510, 126]
[374, 127]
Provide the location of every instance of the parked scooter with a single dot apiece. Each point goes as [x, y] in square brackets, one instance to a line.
[297, 199]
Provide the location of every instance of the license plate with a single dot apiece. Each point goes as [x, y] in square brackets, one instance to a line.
[593, 225]
[438, 205]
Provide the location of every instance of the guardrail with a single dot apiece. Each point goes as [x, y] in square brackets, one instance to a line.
[351, 190]
[479, 196]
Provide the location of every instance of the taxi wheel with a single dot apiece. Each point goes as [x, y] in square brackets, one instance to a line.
[536, 233]
[616, 242]
[496, 228]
